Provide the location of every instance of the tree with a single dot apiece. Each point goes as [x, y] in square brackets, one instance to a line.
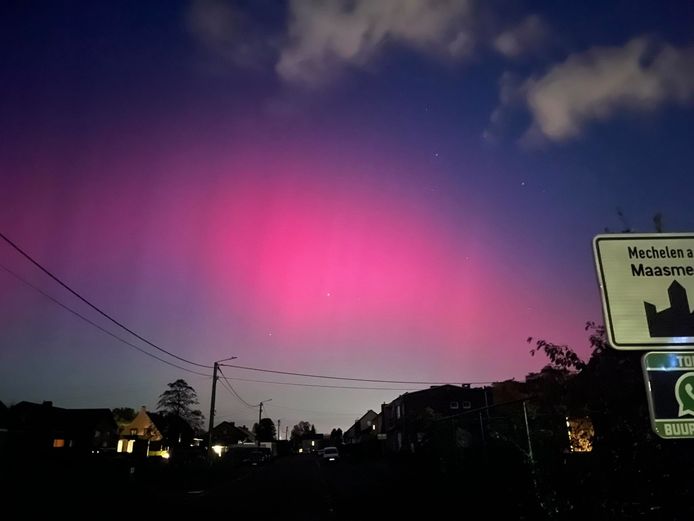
[300, 431]
[179, 400]
[336, 435]
[630, 466]
[123, 415]
[265, 431]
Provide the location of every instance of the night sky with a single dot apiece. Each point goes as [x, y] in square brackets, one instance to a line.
[379, 189]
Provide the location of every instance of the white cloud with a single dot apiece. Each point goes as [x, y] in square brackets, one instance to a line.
[596, 84]
[326, 34]
[528, 36]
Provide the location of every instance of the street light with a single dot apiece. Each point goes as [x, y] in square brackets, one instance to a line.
[212, 400]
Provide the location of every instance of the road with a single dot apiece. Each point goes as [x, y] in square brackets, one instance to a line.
[297, 487]
[303, 487]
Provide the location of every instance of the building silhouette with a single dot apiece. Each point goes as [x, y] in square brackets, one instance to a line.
[677, 320]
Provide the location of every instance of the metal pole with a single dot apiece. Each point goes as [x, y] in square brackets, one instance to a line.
[212, 399]
[527, 433]
[486, 401]
[260, 417]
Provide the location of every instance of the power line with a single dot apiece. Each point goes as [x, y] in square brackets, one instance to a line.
[323, 386]
[230, 387]
[322, 413]
[348, 378]
[94, 307]
[79, 315]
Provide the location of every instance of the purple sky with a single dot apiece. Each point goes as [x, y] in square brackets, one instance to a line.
[387, 190]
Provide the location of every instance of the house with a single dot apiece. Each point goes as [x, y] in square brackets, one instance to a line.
[155, 434]
[364, 429]
[41, 427]
[415, 420]
[228, 433]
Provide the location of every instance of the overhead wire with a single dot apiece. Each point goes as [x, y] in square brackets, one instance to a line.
[173, 355]
[322, 386]
[372, 380]
[97, 326]
[323, 413]
[230, 388]
[93, 306]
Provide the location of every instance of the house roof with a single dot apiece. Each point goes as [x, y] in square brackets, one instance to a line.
[435, 389]
[36, 416]
[227, 426]
[157, 425]
[170, 423]
[4, 416]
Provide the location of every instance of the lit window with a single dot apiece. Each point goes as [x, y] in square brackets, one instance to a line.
[133, 432]
[581, 432]
[453, 405]
[126, 446]
[467, 405]
[58, 443]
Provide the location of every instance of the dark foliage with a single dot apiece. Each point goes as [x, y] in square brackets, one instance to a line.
[179, 400]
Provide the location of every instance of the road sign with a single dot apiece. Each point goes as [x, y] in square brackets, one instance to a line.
[646, 281]
[670, 386]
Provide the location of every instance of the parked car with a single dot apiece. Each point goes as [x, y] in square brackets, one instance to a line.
[257, 457]
[331, 454]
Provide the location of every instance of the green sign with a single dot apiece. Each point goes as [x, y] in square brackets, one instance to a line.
[670, 387]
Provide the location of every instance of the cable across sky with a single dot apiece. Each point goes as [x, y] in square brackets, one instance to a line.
[371, 380]
[94, 307]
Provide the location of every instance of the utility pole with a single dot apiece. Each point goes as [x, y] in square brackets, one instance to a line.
[260, 417]
[212, 400]
[279, 432]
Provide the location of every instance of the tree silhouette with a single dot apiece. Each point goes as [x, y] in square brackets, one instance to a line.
[123, 415]
[179, 400]
[265, 431]
[301, 430]
[336, 435]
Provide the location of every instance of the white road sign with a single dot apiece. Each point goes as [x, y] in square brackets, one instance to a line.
[647, 281]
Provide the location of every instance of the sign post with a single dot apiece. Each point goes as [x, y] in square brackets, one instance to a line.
[646, 281]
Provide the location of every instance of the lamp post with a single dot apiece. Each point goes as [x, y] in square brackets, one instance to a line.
[212, 400]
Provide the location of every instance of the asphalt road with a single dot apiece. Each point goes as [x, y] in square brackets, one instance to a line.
[303, 487]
